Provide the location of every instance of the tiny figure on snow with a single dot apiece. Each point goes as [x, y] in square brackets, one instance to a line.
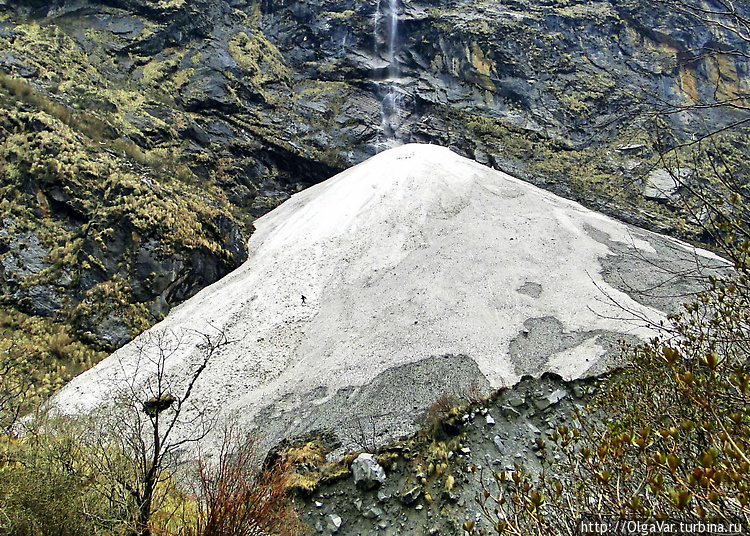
[303, 299]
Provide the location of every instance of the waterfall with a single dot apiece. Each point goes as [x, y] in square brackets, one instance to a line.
[375, 28]
[393, 34]
[389, 90]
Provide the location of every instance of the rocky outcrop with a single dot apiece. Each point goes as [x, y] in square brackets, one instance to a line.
[664, 185]
[106, 244]
[437, 472]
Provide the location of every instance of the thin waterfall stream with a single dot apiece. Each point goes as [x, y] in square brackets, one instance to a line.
[389, 89]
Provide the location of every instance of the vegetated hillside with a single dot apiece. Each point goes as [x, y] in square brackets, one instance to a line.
[208, 113]
[98, 239]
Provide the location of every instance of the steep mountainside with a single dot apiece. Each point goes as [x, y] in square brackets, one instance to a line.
[423, 273]
[142, 137]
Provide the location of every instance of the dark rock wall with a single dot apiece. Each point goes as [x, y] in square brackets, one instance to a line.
[245, 103]
[560, 69]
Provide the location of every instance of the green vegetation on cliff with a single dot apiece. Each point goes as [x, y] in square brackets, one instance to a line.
[82, 214]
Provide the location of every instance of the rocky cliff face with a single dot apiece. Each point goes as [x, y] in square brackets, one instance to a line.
[94, 247]
[284, 93]
[559, 93]
[142, 137]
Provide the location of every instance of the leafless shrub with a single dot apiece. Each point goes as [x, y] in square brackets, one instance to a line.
[237, 499]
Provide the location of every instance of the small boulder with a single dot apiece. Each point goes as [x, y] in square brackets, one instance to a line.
[410, 496]
[372, 512]
[663, 185]
[510, 412]
[333, 522]
[499, 444]
[367, 472]
[558, 395]
[542, 403]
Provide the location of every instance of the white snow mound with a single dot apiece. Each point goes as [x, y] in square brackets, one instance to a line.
[412, 256]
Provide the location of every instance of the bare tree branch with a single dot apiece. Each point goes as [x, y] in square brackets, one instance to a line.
[137, 446]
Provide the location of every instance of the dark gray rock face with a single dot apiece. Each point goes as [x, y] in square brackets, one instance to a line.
[331, 82]
[260, 100]
[23, 257]
[522, 63]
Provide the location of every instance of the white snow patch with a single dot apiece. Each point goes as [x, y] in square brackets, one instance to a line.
[574, 362]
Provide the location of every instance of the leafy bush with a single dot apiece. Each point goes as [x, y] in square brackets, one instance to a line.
[41, 501]
[113, 472]
[44, 487]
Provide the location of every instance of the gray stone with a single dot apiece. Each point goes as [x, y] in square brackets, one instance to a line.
[44, 299]
[556, 396]
[663, 185]
[533, 429]
[545, 402]
[490, 420]
[481, 156]
[517, 401]
[28, 255]
[408, 497]
[367, 472]
[113, 330]
[499, 444]
[449, 496]
[333, 522]
[510, 412]
[372, 512]
[384, 496]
